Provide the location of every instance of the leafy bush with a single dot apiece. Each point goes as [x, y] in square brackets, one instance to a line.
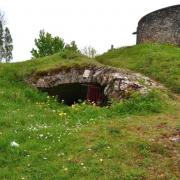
[47, 45]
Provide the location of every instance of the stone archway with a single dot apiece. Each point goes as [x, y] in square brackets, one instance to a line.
[115, 83]
[78, 92]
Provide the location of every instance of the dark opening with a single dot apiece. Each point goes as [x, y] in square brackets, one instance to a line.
[75, 92]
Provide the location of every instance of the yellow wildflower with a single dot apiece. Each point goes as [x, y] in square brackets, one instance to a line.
[62, 114]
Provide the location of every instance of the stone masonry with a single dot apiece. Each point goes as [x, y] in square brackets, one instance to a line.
[162, 26]
[118, 83]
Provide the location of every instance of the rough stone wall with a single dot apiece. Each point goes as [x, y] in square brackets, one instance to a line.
[161, 26]
[118, 83]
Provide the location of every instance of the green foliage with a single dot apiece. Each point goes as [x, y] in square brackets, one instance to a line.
[126, 140]
[6, 41]
[72, 47]
[8, 46]
[47, 45]
[154, 101]
[1, 41]
[70, 54]
[70, 51]
[160, 62]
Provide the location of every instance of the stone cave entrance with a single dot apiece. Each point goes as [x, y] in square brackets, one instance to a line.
[75, 92]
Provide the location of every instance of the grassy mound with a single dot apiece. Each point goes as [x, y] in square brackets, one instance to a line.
[160, 62]
[23, 69]
[125, 141]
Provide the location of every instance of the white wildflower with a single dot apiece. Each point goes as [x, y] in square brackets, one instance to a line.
[14, 144]
[101, 160]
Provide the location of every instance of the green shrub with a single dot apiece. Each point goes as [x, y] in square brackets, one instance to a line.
[137, 104]
[69, 54]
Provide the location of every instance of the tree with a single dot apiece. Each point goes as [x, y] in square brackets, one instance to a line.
[89, 51]
[2, 22]
[47, 45]
[2, 18]
[8, 46]
[1, 42]
[72, 46]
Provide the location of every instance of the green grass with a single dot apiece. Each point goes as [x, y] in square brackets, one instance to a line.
[128, 140]
[160, 62]
[22, 70]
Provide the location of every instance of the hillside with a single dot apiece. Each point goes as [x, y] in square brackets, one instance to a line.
[161, 62]
[136, 138]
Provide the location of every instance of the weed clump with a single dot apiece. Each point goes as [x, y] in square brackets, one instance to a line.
[153, 102]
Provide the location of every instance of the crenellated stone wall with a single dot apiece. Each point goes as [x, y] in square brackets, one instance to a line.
[118, 83]
[162, 26]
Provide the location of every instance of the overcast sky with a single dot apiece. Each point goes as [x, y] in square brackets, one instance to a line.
[98, 23]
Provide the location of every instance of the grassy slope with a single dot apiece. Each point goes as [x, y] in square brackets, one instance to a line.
[130, 140]
[161, 62]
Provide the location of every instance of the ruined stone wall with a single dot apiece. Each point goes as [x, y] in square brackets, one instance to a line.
[161, 26]
[118, 83]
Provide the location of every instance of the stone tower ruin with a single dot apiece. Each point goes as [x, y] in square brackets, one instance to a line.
[161, 26]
